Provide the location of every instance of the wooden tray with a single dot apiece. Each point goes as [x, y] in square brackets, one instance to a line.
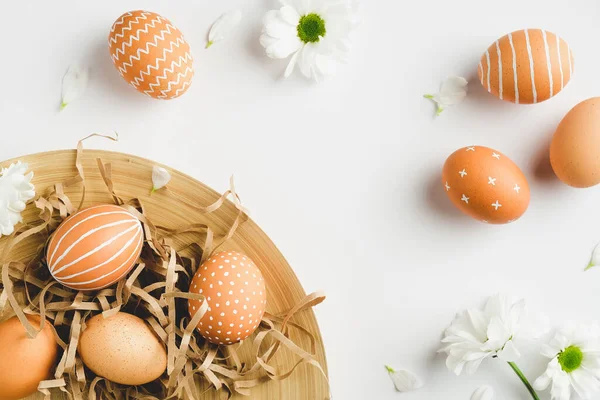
[172, 208]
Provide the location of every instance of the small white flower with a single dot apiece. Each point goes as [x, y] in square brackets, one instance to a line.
[483, 393]
[452, 92]
[15, 191]
[316, 33]
[160, 178]
[574, 365]
[224, 26]
[74, 83]
[475, 334]
[595, 259]
[404, 381]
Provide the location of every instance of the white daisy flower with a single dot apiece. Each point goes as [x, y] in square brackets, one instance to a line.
[314, 32]
[574, 365]
[15, 191]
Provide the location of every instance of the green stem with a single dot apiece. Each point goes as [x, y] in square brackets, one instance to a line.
[524, 380]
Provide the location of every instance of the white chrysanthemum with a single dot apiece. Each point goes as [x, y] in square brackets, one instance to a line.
[475, 334]
[575, 363]
[314, 32]
[15, 191]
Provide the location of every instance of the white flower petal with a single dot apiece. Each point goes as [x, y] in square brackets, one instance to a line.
[306, 60]
[497, 331]
[74, 83]
[483, 393]
[279, 29]
[453, 90]
[270, 17]
[509, 353]
[404, 381]
[224, 26]
[282, 48]
[291, 64]
[584, 383]
[160, 178]
[289, 15]
[472, 366]
[595, 259]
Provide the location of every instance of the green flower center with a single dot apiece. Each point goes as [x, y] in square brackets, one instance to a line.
[570, 359]
[311, 28]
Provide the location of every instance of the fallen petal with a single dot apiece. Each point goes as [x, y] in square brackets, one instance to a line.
[404, 381]
[160, 178]
[224, 26]
[483, 393]
[74, 83]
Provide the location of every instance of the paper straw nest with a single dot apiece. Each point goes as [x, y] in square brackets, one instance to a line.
[157, 291]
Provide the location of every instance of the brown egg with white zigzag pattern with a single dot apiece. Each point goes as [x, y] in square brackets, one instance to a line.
[527, 66]
[95, 247]
[151, 54]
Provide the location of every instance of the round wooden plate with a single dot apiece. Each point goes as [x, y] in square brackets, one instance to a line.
[173, 208]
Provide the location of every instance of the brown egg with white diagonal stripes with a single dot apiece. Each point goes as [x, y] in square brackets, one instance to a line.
[527, 66]
[95, 247]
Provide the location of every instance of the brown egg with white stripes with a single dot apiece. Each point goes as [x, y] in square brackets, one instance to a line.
[527, 66]
[235, 291]
[95, 247]
[485, 184]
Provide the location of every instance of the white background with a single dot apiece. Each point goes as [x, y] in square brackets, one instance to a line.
[344, 176]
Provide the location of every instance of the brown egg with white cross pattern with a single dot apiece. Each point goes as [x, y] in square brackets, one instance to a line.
[235, 291]
[486, 185]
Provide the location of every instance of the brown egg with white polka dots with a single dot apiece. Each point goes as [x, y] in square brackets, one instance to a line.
[486, 185]
[235, 291]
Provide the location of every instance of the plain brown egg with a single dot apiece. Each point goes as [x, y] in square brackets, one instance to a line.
[24, 362]
[122, 349]
[575, 147]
